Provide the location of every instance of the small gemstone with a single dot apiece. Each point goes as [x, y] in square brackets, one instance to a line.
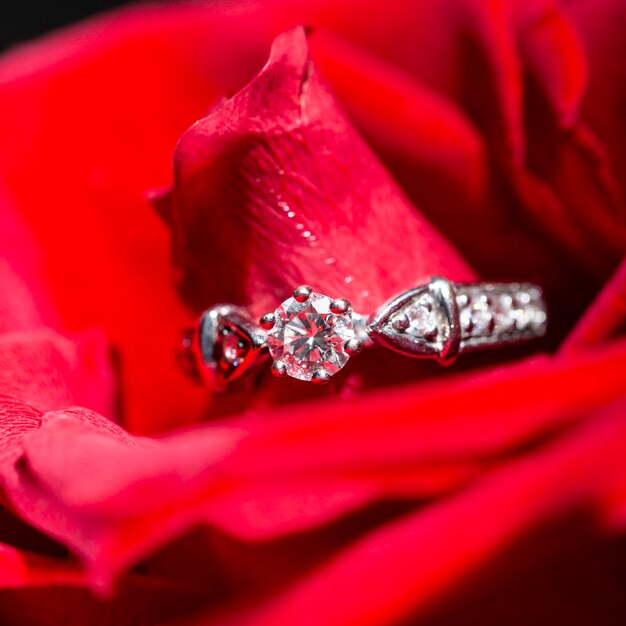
[231, 350]
[505, 302]
[466, 320]
[422, 318]
[308, 338]
[503, 319]
[477, 319]
[461, 300]
[522, 317]
[529, 316]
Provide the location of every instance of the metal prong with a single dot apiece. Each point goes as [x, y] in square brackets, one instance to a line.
[302, 293]
[353, 346]
[321, 377]
[279, 369]
[340, 305]
[401, 322]
[267, 321]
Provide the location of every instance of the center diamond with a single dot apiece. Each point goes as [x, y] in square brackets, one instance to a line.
[307, 337]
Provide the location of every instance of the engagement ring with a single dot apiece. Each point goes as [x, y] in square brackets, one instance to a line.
[311, 336]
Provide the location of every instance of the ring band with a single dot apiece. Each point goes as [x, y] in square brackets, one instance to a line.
[311, 336]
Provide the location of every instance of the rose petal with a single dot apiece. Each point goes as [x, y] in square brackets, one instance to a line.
[89, 118]
[605, 317]
[600, 25]
[433, 550]
[46, 371]
[24, 298]
[448, 174]
[20, 569]
[552, 51]
[399, 114]
[16, 419]
[295, 211]
[137, 597]
[114, 499]
[543, 226]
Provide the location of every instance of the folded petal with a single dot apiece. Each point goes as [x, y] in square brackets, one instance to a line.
[274, 188]
[47, 371]
[600, 25]
[434, 551]
[443, 161]
[24, 295]
[114, 499]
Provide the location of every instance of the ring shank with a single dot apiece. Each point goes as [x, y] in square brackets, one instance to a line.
[436, 320]
[494, 314]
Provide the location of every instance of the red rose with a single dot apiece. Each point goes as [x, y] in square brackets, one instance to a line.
[459, 138]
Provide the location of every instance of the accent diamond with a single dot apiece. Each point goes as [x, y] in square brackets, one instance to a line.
[503, 319]
[476, 318]
[308, 338]
[232, 348]
[423, 319]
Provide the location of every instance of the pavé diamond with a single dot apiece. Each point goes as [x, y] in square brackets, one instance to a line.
[476, 318]
[308, 338]
[503, 318]
[232, 348]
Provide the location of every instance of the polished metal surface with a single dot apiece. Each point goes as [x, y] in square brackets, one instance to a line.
[227, 344]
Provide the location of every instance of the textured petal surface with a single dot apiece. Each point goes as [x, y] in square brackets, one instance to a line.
[252, 195]
[431, 550]
[89, 120]
[265, 476]
[605, 317]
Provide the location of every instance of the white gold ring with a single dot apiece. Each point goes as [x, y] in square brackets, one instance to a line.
[311, 336]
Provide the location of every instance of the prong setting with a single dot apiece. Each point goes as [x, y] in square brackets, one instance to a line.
[302, 293]
[340, 305]
[319, 351]
[267, 321]
[279, 369]
[321, 377]
[353, 346]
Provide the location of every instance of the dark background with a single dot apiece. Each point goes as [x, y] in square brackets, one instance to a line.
[24, 19]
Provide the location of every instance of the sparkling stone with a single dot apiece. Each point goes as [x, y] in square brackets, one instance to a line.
[528, 317]
[308, 338]
[503, 319]
[522, 317]
[476, 318]
[423, 319]
[466, 320]
[461, 300]
[231, 348]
